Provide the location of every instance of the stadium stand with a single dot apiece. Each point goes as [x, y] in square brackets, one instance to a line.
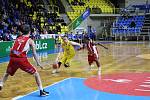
[44, 15]
[40, 16]
[96, 6]
[128, 26]
[132, 23]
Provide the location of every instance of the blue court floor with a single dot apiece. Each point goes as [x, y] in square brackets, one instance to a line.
[74, 89]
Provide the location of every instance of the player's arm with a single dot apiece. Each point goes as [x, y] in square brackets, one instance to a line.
[32, 44]
[77, 44]
[57, 58]
[59, 54]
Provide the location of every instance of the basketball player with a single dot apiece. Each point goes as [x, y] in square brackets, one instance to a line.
[68, 53]
[18, 59]
[93, 54]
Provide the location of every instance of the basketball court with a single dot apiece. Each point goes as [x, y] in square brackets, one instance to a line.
[77, 89]
[114, 34]
[127, 76]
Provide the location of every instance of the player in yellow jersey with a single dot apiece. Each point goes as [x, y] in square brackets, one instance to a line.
[67, 54]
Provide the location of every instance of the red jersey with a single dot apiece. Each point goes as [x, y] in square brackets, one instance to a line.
[92, 49]
[18, 57]
[20, 47]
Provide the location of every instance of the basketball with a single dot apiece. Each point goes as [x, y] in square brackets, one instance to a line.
[55, 66]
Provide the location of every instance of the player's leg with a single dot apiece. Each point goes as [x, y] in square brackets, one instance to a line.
[99, 68]
[4, 78]
[67, 63]
[90, 61]
[57, 63]
[39, 83]
[57, 69]
[27, 67]
[11, 69]
[90, 65]
[68, 60]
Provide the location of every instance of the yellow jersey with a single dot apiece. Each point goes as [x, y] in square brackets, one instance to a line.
[68, 49]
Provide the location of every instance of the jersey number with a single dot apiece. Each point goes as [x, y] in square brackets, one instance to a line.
[19, 46]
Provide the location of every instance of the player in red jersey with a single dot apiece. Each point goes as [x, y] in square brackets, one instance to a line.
[18, 59]
[93, 54]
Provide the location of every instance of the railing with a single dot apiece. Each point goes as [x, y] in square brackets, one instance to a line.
[119, 10]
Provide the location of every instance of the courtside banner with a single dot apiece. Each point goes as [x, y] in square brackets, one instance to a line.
[79, 20]
[85, 14]
[42, 44]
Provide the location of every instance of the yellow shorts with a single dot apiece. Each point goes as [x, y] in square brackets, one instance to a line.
[66, 59]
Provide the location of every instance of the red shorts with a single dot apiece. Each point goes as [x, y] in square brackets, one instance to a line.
[92, 58]
[21, 63]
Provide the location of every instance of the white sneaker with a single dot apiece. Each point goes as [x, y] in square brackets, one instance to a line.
[54, 71]
[92, 66]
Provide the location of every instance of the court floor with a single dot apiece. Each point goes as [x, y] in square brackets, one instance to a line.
[125, 75]
[75, 89]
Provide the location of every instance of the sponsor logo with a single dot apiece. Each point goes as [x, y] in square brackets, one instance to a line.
[41, 46]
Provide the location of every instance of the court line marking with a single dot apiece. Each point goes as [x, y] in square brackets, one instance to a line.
[146, 82]
[105, 68]
[21, 96]
[147, 86]
[142, 90]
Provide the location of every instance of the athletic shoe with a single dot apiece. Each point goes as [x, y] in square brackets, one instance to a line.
[43, 93]
[54, 71]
